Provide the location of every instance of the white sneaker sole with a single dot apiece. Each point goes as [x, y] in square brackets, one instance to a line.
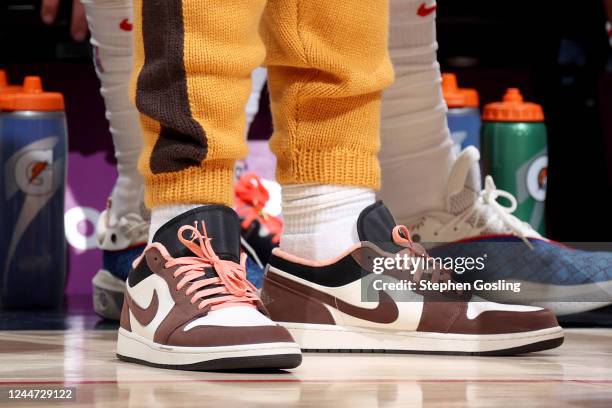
[135, 348]
[330, 338]
[107, 294]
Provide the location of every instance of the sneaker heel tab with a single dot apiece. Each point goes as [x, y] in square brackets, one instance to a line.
[375, 223]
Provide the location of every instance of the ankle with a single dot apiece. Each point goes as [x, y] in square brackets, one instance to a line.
[320, 220]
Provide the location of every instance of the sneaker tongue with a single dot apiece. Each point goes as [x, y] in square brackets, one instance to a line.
[222, 225]
[464, 181]
[375, 224]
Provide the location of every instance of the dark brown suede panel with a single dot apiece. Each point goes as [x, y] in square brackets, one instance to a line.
[124, 321]
[183, 311]
[450, 317]
[288, 305]
[439, 317]
[161, 89]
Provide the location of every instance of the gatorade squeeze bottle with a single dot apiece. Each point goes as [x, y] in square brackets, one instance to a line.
[463, 114]
[515, 153]
[5, 87]
[33, 144]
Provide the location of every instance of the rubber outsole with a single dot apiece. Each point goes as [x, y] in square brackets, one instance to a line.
[527, 348]
[268, 362]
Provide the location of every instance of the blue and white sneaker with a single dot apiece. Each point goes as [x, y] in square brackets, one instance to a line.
[474, 224]
[121, 243]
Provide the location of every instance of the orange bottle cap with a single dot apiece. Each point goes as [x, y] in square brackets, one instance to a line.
[4, 85]
[456, 97]
[32, 98]
[513, 109]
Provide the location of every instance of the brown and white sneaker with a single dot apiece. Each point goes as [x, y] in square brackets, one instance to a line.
[189, 306]
[323, 304]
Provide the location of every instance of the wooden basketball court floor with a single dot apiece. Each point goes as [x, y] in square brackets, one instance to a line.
[579, 374]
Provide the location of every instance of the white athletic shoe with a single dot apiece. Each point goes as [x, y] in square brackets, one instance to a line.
[470, 210]
[552, 275]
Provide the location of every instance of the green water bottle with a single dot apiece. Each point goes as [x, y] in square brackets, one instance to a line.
[515, 153]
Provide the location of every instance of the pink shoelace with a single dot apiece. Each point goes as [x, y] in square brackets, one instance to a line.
[401, 236]
[229, 288]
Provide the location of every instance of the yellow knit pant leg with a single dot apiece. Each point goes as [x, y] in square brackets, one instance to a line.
[328, 64]
[191, 80]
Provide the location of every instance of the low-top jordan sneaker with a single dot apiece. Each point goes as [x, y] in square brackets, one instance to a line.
[552, 275]
[343, 305]
[188, 304]
[121, 242]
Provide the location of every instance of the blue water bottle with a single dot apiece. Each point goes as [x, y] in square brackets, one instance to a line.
[33, 143]
[463, 113]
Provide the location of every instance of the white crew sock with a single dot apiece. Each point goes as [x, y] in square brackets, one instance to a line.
[320, 221]
[416, 153]
[110, 25]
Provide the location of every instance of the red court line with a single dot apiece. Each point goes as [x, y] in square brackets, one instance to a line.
[295, 380]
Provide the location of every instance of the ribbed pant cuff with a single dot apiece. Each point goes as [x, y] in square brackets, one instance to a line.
[337, 166]
[211, 183]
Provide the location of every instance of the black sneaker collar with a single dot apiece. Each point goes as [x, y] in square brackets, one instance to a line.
[222, 225]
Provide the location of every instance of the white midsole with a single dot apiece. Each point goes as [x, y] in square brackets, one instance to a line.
[107, 281]
[321, 336]
[134, 346]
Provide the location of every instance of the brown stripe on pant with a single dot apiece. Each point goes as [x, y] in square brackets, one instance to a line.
[192, 80]
[162, 90]
[328, 66]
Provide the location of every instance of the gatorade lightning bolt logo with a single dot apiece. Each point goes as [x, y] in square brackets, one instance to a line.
[37, 169]
[537, 175]
[33, 172]
[543, 178]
